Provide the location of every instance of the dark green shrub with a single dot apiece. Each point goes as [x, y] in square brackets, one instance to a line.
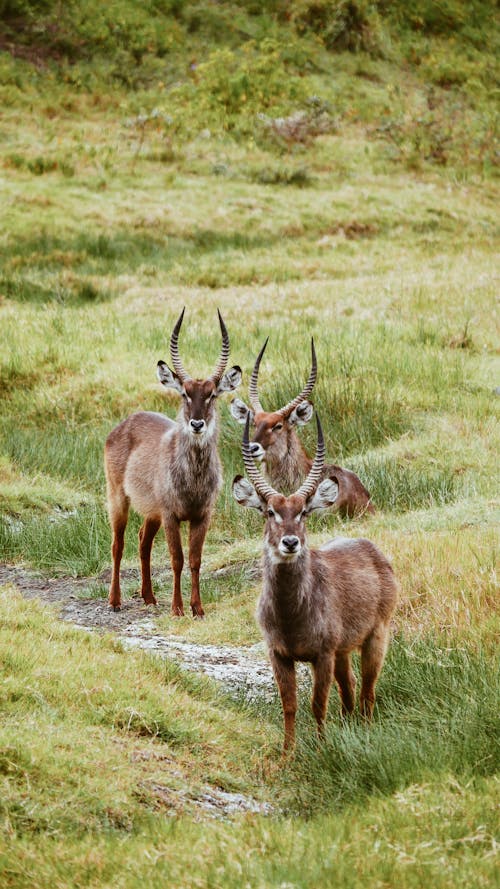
[13, 8]
[342, 25]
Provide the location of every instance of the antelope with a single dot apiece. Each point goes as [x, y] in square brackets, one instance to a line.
[317, 605]
[170, 472]
[277, 445]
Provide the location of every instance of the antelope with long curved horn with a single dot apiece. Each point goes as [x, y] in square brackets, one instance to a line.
[317, 605]
[169, 472]
[277, 445]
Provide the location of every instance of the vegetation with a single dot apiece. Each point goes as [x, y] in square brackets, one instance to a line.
[323, 169]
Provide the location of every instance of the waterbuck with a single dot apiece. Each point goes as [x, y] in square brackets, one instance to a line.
[317, 605]
[169, 472]
[277, 445]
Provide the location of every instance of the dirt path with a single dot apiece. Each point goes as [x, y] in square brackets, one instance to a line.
[240, 670]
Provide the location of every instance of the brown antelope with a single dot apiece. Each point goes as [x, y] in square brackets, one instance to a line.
[317, 605]
[277, 445]
[170, 472]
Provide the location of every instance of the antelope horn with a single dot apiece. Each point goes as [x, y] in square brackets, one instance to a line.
[252, 388]
[174, 350]
[261, 486]
[313, 479]
[224, 354]
[306, 391]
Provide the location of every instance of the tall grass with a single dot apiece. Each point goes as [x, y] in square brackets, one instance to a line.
[76, 543]
[399, 487]
[373, 383]
[106, 757]
[436, 714]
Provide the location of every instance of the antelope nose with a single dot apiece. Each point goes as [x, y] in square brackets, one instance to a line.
[197, 425]
[254, 449]
[290, 542]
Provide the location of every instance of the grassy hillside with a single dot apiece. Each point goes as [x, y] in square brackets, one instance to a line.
[323, 169]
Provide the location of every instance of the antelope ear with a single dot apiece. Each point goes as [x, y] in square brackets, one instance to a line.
[230, 381]
[324, 496]
[167, 377]
[245, 494]
[239, 411]
[301, 414]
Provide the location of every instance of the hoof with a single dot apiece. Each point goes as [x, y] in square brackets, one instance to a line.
[150, 601]
[116, 607]
[198, 612]
[177, 612]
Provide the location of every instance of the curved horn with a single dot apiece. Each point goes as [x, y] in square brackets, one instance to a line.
[306, 391]
[252, 386]
[174, 350]
[313, 479]
[261, 486]
[224, 354]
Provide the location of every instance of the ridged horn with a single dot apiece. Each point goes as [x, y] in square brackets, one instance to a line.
[174, 350]
[306, 391]
[224, 354]
[313, 479]
[252, 387]
[258, 481]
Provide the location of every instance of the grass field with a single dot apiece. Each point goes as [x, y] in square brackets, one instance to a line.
[136, 178]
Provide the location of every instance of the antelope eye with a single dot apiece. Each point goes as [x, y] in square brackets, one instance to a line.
[278, 427]
[270, 512]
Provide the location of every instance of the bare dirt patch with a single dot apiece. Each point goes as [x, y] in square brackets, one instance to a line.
[240, 670]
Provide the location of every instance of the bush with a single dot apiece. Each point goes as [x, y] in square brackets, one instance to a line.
[342, 25]
[13, 8]
[253, 80]
[231, 87]
[428, 16]
[443, 131]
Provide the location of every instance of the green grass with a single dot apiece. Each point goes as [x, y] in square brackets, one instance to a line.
[90, 734]
[437, 714]
[136, 177]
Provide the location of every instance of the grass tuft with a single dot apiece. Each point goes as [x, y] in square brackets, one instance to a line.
[436, 714]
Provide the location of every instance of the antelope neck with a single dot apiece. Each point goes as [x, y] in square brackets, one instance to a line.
[289, 469]
[288, 580]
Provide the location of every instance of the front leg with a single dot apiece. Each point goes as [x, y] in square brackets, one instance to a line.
[146, 537]
[323, 678]
[197, 534]
[284, 673]
[173, 535]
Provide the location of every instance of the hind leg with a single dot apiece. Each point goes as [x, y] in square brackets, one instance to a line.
[118, 517]
[346, 681]
[146, 537]
[372, 658]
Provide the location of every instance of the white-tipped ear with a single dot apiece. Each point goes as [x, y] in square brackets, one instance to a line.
[230, 381]
[239, 411]
[167, 377]
[245, 494]
[301, 414]
[324, 497]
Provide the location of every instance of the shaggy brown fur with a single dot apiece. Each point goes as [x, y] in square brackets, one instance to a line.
[169, 472]
[277, 445]
[318, 605]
